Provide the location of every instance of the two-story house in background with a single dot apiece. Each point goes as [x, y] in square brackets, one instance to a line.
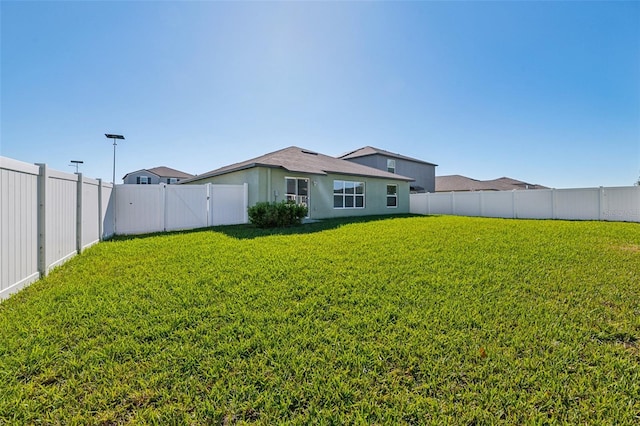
[423, 172]
[156, 175]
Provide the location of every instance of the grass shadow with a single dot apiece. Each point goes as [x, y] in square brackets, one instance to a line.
[249, 231]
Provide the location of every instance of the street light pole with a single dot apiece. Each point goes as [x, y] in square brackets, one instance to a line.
[76, 164]
[114, 137]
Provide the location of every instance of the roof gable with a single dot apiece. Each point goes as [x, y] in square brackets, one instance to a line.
[295, 159]
[369, 150]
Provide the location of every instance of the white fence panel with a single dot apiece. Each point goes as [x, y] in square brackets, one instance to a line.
[536, 204]
[496, 204]
[228, 204]
[60, 206]
[621, 204]
[468, 204]
[107, 206]
[90, 212]
[440, 203]
[142, 209]
[186, 207]
[418, 204]
[139, 209]
[18, 225]
[577, 204]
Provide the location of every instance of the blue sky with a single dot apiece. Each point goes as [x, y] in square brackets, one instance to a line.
[546, 92]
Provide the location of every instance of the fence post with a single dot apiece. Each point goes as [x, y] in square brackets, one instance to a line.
[601, 203]
[79, 212]
[100, 218]
[43, 176]
[513, 201]
[208, 193]
[453, 203]
[482, 203]
[246, 201]
[163, 197]
[428, 195]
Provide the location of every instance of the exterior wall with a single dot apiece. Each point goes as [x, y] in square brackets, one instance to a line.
[423, 174]
[268, 184]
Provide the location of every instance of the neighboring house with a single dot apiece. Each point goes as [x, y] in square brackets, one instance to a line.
[462, 183]
[422, 172]
[155, 176]
[328, 186]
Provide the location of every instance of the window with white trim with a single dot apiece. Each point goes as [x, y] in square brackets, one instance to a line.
[297, 190]
[172, 180]
[392, 195]
[391, 165]
[144, 180]
[348, 194]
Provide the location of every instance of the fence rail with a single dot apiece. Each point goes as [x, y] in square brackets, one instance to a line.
[621, 204]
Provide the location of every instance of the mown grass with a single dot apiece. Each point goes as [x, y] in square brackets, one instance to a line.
[414, 320]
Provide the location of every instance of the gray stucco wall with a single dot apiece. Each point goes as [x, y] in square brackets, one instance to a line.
[424, 174]
[264, 183]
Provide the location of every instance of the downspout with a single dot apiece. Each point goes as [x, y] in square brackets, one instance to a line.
[268, 184]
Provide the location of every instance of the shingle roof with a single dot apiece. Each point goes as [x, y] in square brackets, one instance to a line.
[295, 159]
[462, 183]
[164, 172]
[369, 150]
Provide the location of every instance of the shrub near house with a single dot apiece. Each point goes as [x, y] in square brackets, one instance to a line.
[271, 215]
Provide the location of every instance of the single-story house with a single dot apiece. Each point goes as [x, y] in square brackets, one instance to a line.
[328, 186]
[422, 172]
[156, 175]
[457, 183]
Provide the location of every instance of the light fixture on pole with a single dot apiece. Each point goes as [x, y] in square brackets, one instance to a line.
[114, 137]
[76, 163]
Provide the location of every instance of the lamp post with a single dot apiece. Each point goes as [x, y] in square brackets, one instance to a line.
[115, 138]
[76, 163]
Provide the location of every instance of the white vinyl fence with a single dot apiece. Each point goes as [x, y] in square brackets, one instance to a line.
[620, 204]
[142, 209]
[46, 217]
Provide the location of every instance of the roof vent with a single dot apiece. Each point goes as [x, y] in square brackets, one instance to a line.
[309, 152]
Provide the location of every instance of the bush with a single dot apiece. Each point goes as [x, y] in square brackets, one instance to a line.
[272, 215]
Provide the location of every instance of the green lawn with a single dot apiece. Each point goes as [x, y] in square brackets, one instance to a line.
[411, 320]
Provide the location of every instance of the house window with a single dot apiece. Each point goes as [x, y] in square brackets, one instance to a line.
[392, 195]
[298, 191]
[348, 194]
[172, 180]
[143, 180]
[391, 166]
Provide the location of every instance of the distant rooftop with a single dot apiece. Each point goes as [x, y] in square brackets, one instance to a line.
[463, 183]
[164, 172]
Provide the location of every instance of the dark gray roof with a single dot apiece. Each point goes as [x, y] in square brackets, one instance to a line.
[295, 159]
[462, 183]
[164, 172]
[369, 150]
